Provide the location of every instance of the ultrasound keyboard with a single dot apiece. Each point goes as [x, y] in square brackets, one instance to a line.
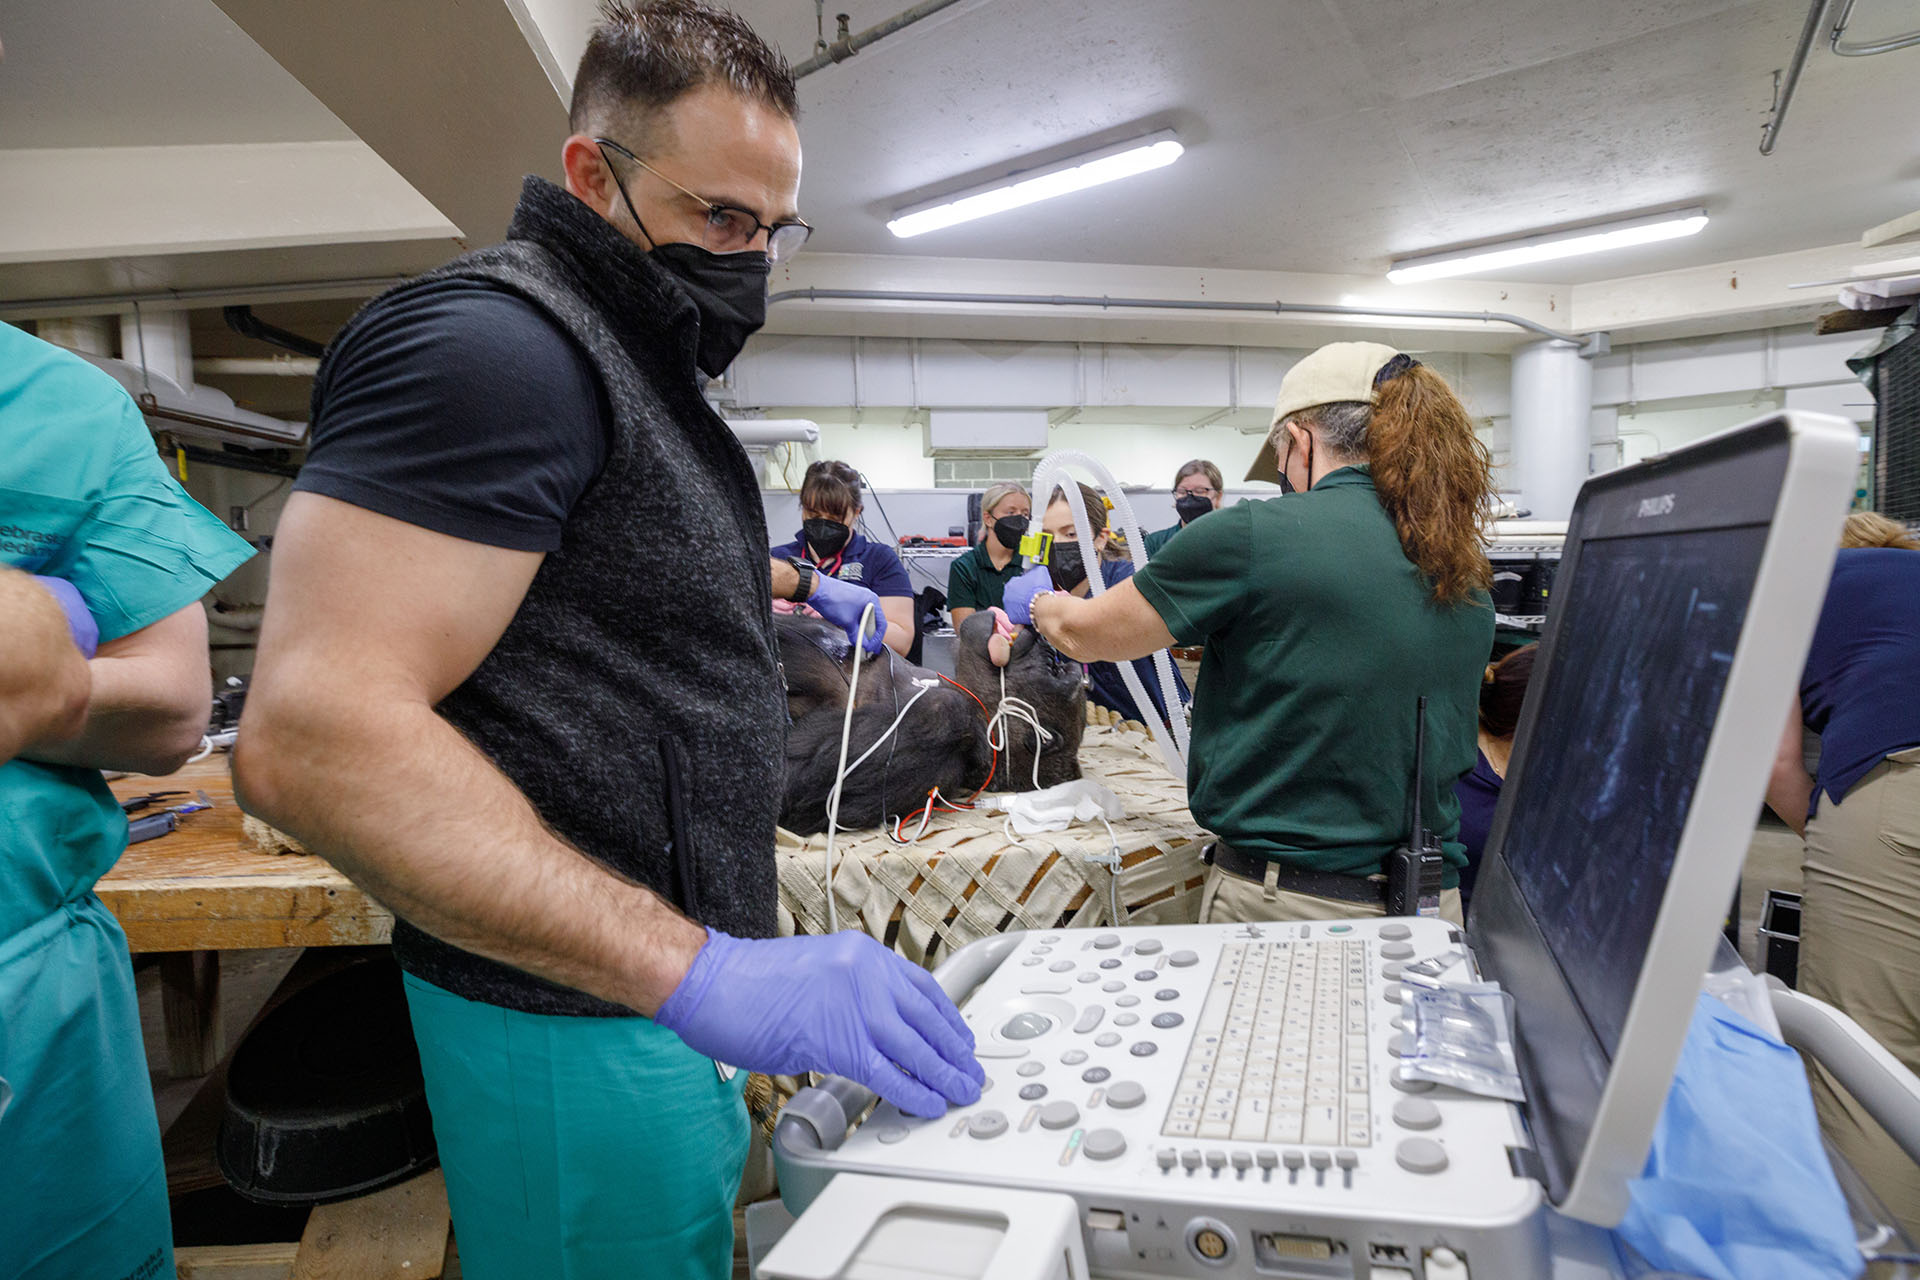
[1279, 1054]
[1221, 1100]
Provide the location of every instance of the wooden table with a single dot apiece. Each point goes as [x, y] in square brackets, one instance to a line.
[201, 890]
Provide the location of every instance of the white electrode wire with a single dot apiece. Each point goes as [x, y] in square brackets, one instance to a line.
[1052, 474]
[843, 769]
[1016, 709]
[840, 771]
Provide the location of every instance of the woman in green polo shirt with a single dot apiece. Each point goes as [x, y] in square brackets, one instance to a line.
[1325, 612]
[979, 578]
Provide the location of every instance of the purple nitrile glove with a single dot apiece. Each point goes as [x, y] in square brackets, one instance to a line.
[842, 603]
[1023, 591]
[86, 632]
[842, 1004]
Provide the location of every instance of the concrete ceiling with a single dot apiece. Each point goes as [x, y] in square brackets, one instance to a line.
[1334, 136]
[1325, 137]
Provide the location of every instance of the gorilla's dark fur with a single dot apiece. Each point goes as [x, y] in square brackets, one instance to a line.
[941, 743]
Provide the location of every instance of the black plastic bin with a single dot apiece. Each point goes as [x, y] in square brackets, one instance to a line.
[325, 1100]
[1780, 935]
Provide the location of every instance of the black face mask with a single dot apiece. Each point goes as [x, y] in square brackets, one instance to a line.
[1286, 485]
[1008, 530]
[730, 292]
[1191, 507]
[1066, 566]
[828, 538]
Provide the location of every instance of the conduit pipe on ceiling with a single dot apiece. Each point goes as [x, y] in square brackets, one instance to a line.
[1870, 48]
[159, 299]
[847, 45]
[1593, 344]
[1784, 86]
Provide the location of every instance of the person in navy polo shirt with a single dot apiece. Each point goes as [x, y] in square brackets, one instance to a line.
[1860, 916]
[827, 540]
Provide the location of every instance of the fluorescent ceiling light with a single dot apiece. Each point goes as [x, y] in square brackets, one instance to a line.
[1545, 248]
[1123, 160]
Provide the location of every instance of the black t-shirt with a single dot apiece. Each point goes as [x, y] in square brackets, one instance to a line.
[462, 409]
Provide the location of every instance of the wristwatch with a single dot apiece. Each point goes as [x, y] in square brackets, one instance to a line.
[804, 587]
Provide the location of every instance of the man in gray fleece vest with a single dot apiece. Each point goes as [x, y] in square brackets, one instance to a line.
[518, 679]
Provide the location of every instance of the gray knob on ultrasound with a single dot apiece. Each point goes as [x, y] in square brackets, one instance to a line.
[987, 1124]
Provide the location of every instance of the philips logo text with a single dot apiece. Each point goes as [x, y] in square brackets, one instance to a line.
[1660, 506]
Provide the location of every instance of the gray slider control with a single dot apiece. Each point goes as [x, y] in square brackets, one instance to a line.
[1421, 1155]
[987, 1124]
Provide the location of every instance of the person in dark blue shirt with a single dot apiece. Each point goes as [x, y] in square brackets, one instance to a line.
[829, 541]
[1502, 693]
[1106, 686]
[1860, 914]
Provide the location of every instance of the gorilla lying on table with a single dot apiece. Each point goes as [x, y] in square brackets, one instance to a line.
[941, 743]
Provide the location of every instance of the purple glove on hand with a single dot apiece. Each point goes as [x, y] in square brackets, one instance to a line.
[1023, 591]
[842, 1004]
[842, 603]
[86, 632]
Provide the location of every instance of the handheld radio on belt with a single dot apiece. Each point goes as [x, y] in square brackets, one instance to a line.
[1414, 870]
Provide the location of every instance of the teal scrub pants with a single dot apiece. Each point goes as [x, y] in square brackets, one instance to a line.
[83, 1187]
[579, 1148]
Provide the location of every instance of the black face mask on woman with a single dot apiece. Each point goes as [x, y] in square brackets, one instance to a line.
[1008, 530]
[1191, 506]
[1065, 565]
[827, 538]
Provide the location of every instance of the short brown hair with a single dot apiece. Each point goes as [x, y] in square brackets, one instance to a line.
[1197, 467]
[644, 54]
[1871, 529]
[831, 486]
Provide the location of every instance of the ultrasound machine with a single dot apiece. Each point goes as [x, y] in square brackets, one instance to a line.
[1226, 1100]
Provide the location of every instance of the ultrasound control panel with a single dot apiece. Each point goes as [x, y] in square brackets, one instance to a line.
[1224, 1099]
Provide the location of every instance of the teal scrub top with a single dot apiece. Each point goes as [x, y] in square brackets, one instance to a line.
[85, 497]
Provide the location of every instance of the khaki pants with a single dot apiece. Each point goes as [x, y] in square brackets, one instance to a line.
[1860, 952]
[1230, 899]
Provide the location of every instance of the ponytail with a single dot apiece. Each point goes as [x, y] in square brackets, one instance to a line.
[1433, 476]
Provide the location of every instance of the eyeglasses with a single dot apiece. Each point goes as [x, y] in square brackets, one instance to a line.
[730, 229]
[1207, 492]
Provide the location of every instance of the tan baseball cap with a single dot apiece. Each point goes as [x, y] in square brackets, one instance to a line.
[1336, 372]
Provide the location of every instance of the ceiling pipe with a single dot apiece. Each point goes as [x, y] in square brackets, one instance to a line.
[1783, 87]
[847, 44]
[243, 322]
[1593, 344]
[1870, 48]
[162, 299]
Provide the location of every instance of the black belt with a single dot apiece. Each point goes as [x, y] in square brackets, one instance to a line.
[1320, 884]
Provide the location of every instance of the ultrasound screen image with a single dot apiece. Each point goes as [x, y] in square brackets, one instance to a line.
[1640, 663]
